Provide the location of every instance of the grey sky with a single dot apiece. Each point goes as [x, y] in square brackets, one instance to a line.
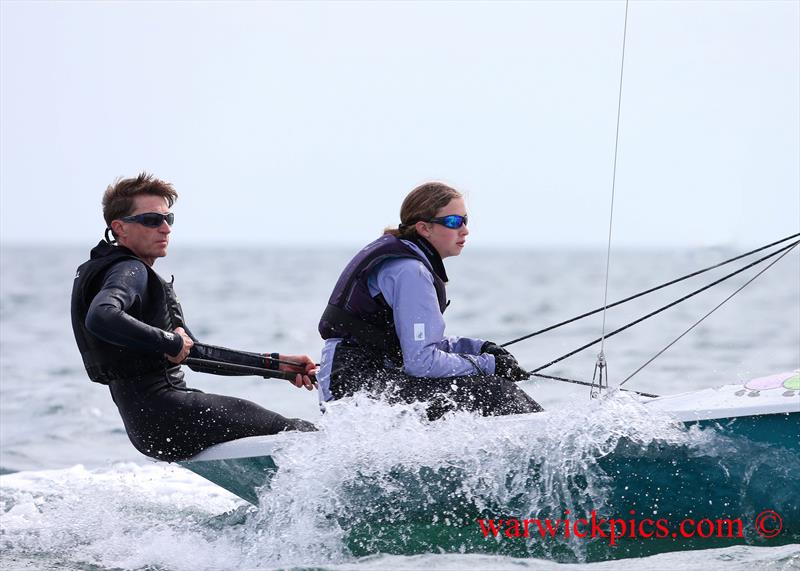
[307, 123]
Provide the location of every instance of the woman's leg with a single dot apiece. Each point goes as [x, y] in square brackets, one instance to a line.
[355, 369]
[489, 395]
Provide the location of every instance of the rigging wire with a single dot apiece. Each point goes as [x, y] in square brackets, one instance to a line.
[601, 359]
[601, 365]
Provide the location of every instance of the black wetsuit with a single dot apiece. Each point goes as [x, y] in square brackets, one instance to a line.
[164, 418]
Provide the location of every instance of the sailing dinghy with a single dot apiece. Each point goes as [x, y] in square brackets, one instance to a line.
[765, 410]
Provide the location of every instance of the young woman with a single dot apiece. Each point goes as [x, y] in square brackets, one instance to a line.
[384, 324]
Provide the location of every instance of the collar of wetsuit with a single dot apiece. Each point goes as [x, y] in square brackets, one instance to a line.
[103, 248]
[431, 254]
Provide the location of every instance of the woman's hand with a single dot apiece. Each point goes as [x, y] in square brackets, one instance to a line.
[494, 349]
[507, 367]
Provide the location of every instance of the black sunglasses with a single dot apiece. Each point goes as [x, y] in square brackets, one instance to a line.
[150, 219]
[452, 221]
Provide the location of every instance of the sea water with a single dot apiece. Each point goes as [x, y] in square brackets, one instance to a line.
[75, 494]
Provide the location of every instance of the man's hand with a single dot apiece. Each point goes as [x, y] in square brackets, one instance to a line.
[304, 365]
[187, 346]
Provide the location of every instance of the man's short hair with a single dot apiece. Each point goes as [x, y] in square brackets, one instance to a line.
[118, 197]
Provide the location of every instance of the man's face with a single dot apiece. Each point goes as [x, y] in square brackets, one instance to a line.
[147, 243]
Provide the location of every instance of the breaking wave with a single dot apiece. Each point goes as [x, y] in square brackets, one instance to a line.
[378, 481]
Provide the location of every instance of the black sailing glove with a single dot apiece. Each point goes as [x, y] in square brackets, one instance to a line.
[493, 349]
[507, 367]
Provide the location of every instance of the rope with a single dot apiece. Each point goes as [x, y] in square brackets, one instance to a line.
[651, 290]
[748, 282]
[684, 298]
[586, 384]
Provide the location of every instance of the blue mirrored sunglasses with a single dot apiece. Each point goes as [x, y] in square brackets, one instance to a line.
[150, 219]
[453, 221]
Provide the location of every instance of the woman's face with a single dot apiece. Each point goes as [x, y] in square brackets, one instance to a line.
[447, 241]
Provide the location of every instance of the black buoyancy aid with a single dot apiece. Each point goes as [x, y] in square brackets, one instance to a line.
[353, 314]
[106, 362]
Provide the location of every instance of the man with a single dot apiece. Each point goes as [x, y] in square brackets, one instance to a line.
[132, 336]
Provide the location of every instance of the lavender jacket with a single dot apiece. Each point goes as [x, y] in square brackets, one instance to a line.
[407, 286]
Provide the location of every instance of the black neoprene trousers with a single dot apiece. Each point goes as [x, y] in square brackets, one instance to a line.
[355, 369]
[168, 421]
